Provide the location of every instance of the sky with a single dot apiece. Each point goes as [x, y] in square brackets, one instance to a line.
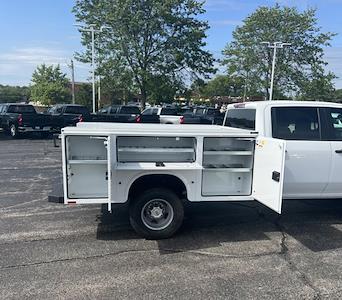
[42, 31]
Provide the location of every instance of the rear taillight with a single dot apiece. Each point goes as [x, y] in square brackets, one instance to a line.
[181, 120]
[138, 119]
[20, 120]
[80, 118]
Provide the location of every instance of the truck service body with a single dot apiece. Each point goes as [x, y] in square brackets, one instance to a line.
[156, 167]
[116, 163]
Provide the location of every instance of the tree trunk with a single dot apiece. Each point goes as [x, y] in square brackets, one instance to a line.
[143, 97]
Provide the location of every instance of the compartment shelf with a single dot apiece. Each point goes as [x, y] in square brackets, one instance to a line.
[232, 170]
[227, 152]
[88, 162]
[155, 150]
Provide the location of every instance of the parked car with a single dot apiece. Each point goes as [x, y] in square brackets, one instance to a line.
[18, 118]
[203, 115]
[167, 115]
[117, 113]
[70, 114]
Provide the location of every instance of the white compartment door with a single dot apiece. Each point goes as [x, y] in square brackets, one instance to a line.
[268, 172]
[111, 167]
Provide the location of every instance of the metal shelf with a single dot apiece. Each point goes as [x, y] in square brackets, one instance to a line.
[232, 170]
[87, 162]
[156, 150]
[227, 152]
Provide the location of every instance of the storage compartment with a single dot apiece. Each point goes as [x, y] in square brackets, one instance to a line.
[86, 148]
[225, 182]
[87, 167]
[156, 149]
[227, 166]
[85, 181]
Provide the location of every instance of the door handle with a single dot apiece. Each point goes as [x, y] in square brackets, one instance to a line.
[338, 151]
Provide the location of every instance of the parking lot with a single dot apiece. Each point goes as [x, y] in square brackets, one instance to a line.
[224, 250]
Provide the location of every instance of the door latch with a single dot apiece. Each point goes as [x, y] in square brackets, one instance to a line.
[276, 176]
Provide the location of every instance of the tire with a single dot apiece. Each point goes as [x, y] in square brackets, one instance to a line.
[168, 213]
[13, 131]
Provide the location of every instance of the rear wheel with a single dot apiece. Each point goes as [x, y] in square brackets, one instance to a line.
[157, 213]
[13, 131]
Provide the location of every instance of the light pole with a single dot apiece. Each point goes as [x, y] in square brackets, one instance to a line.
[91, 28]
[275, 46]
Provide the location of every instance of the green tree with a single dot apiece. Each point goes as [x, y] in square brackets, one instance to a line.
[49, 85]
[148, 39]
[223, 85]
[14, 93]
[338, 95]
[298, 67]
[84, 95]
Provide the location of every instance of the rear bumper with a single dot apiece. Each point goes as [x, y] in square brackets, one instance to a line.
[24, 129]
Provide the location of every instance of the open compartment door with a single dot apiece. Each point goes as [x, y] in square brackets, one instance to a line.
[268, 172]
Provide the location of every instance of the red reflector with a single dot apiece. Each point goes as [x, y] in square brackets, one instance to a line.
[20, 119]
[71, 202]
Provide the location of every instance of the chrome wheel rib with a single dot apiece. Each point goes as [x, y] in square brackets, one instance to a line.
[157, 214]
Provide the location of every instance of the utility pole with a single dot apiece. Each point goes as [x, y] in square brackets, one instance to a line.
[72, 81]
[275, 46]
[99, 91]
[92, 30]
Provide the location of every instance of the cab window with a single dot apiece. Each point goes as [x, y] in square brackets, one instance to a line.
[295, 123]
[104, 110]
[243, 118]
[334, 122]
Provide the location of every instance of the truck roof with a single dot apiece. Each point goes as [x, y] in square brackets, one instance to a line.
[156, 129]
[263, 104]
[17, 103]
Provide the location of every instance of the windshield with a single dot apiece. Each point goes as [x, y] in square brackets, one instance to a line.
[76, 110]
[21, 109]
[130, 110]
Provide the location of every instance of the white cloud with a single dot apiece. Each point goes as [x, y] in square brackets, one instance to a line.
[34, 55]
[18, 64]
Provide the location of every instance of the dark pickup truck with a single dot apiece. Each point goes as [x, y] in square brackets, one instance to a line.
[117, 113]
[18, 118]
[203, 115]
[69, 114]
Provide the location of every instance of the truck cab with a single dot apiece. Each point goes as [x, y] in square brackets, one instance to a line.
[313, 135]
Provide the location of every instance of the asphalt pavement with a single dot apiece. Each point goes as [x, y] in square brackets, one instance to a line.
[223, 251]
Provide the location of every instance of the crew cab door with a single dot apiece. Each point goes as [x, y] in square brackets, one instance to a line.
[268, 172]
[333, 136]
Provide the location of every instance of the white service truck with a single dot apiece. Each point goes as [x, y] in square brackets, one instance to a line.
[155, 168]
[313, 135]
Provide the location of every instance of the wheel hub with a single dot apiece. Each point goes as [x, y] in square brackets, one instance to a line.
[157, 212]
